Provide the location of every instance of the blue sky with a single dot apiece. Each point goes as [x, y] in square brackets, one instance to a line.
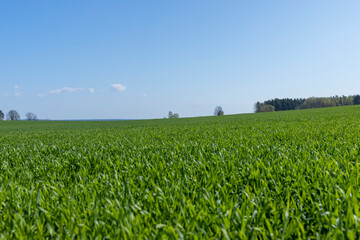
[141, 59]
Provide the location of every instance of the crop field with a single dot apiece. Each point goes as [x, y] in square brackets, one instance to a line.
[283, 175]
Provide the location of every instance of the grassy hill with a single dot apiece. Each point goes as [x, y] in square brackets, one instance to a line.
[292, 174]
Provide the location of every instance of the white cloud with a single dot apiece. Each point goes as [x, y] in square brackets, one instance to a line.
[144, 95]
[118, 87]
[15, 94]
[65, 90]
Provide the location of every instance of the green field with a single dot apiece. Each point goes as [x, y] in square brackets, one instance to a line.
[281, 175]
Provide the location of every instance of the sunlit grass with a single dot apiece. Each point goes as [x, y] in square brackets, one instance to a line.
[282, 175]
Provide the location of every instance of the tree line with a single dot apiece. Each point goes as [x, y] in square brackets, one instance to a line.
[13, 115]
[305, 103]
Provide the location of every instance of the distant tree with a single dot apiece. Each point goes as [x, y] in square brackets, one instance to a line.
[173, 115]
[218, 111]
[2, 115]
[13, 115]
[349, 100]
[31, 116]
[170, 115]
[257, 106]
[261, 107]
[356, 99]
[268, 108]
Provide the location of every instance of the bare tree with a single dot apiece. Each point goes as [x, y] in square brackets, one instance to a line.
[170, 115]
[2, 115]
[31, 116]
[218, 111]
[13, 115]
[173, 115]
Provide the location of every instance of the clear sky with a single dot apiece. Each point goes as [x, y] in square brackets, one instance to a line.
[141, 59]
